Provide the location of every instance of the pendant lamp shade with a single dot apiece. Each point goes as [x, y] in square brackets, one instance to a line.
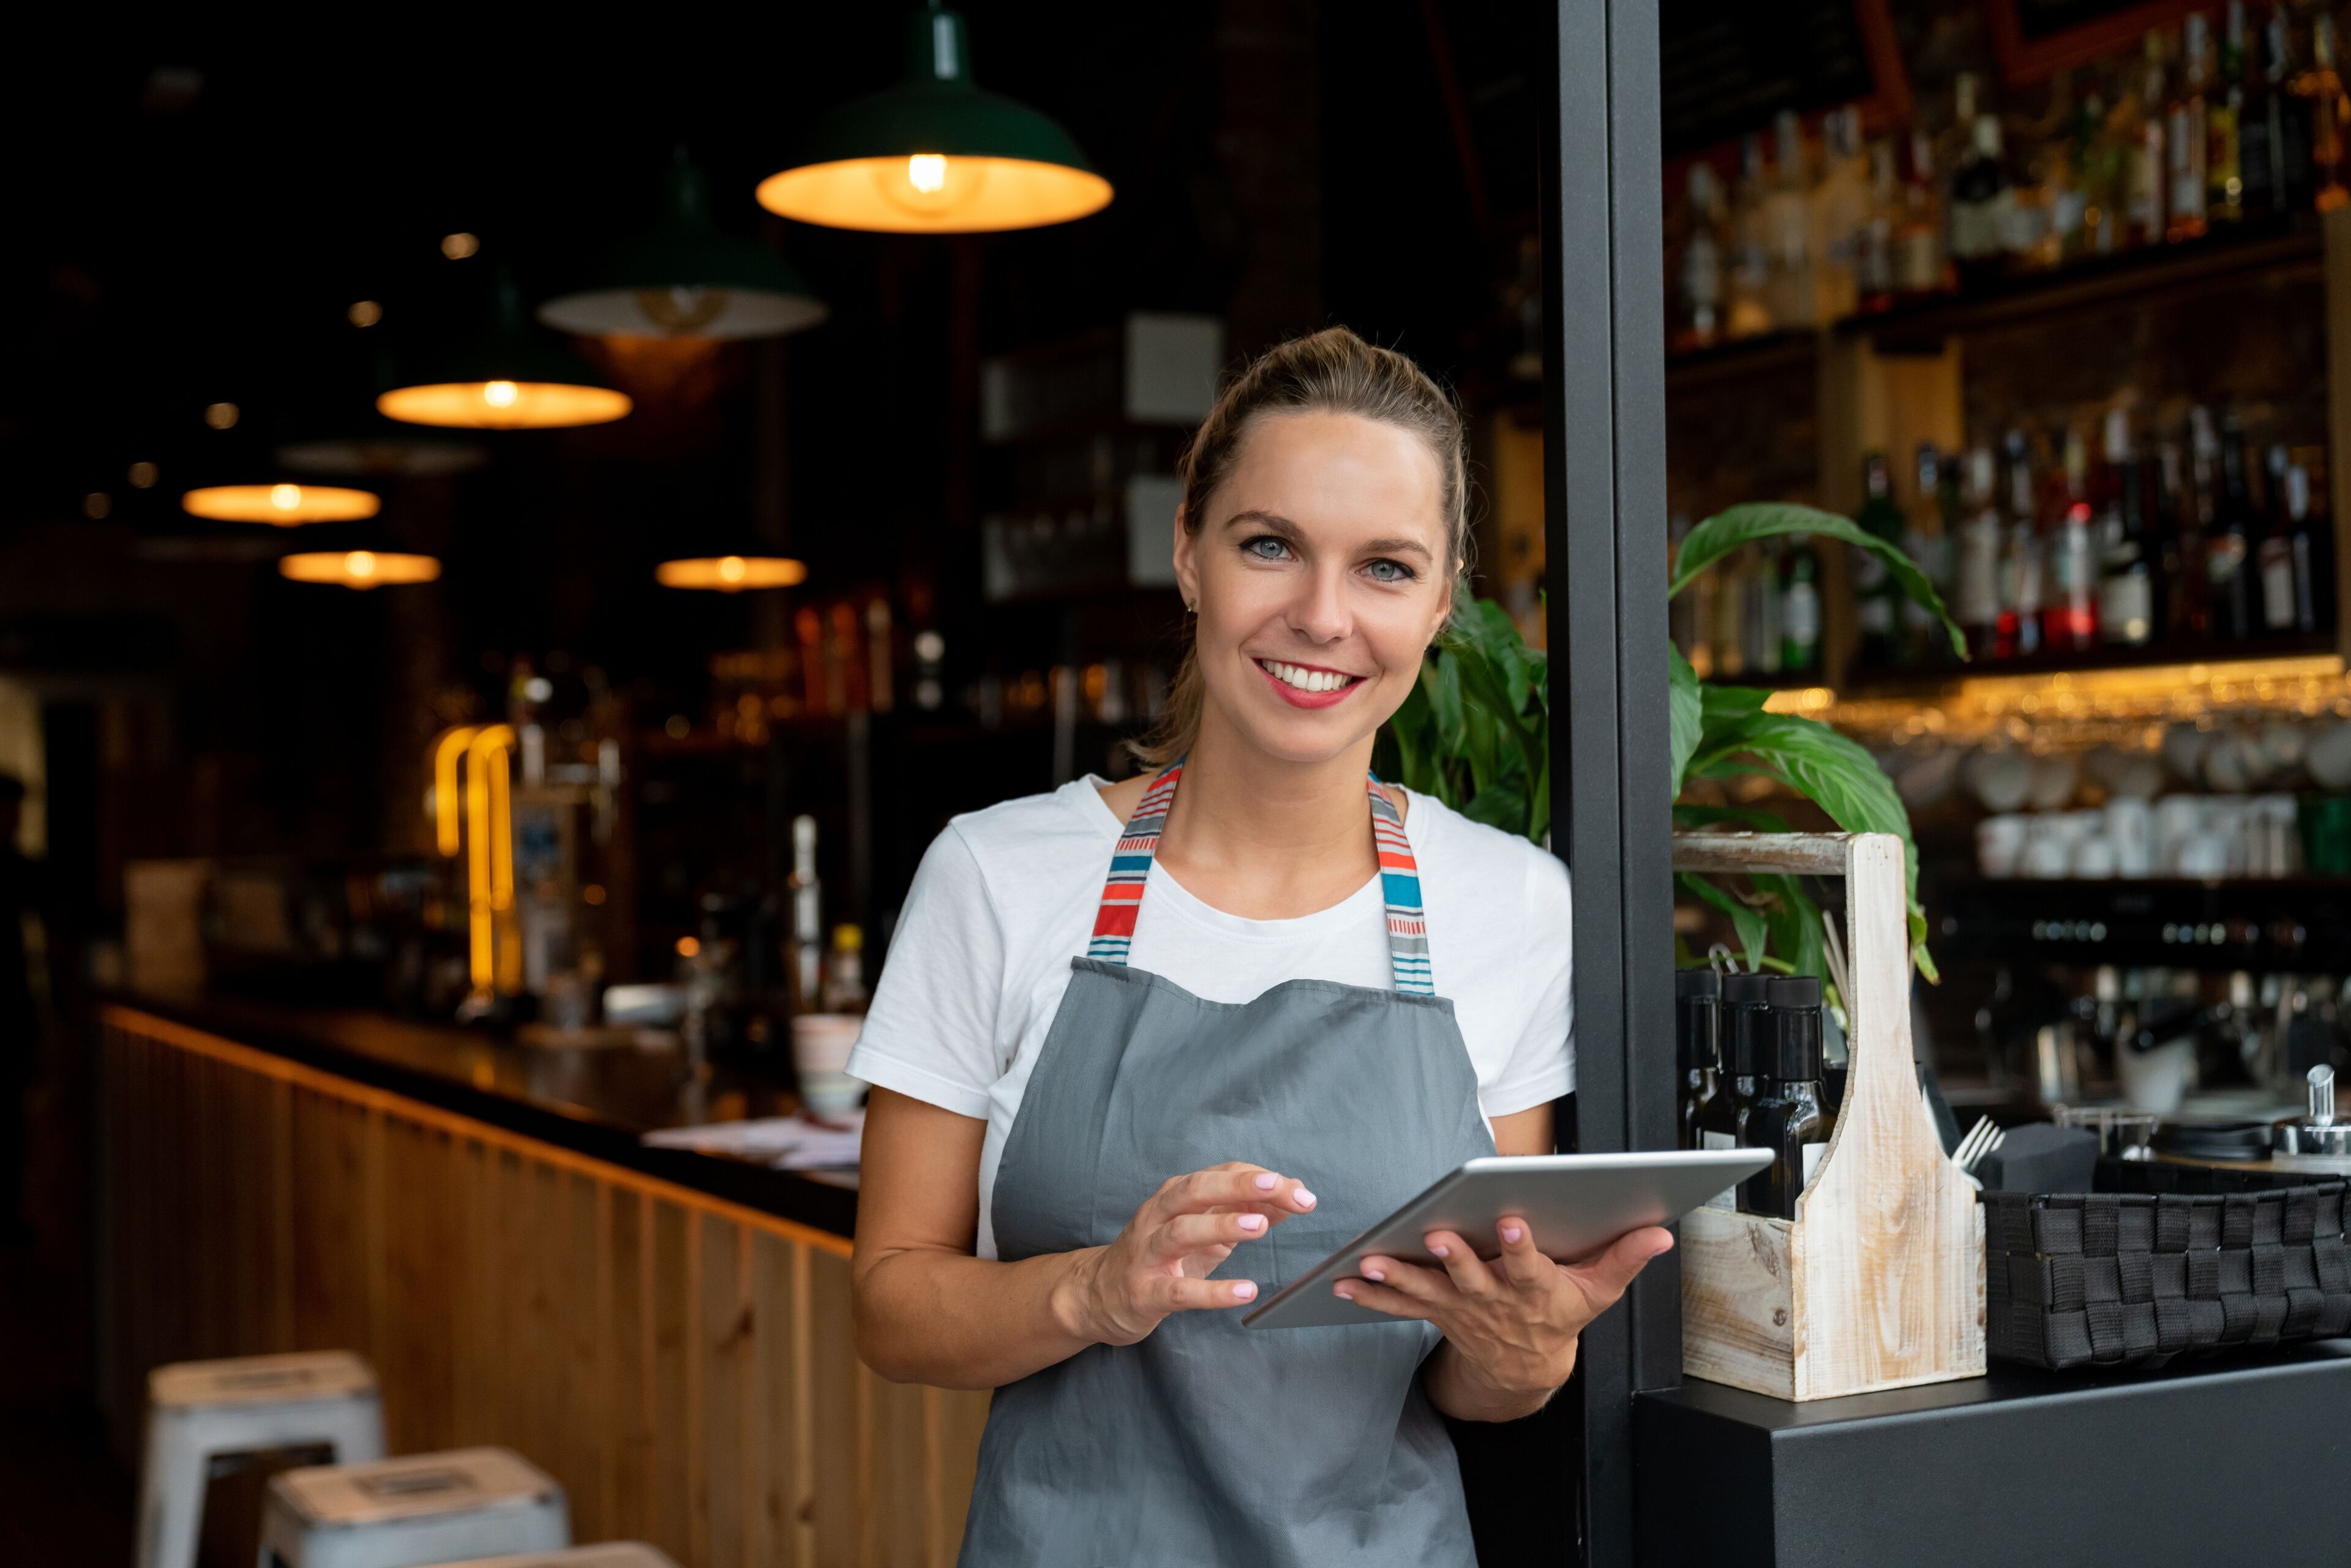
[731, 573]
[687, 277]
[936, 154]
[285, 505]
[507, 378]
[358, 568]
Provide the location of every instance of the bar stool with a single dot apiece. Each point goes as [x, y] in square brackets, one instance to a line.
[609, 1554]
[198, 1411]
[418, 1509]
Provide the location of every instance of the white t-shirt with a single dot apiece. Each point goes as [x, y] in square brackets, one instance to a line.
[1006, 897]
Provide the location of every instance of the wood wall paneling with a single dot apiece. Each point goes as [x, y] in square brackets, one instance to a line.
[683, 1365]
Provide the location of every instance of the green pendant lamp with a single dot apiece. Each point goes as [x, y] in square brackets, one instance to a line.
[509, 377]
[687, 277]
[936, 154]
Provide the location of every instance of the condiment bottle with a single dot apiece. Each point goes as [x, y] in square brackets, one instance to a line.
[1746, 1034]
[1697, 1046]
[1790, 1116]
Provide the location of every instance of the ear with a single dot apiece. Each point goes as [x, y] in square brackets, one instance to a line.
[1187, 570]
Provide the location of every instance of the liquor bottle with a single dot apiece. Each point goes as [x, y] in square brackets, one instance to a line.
[1697, 1047]
[1751, 270]
[2259, 173]
[1927, 536]
[1876, 594]
[2321, 89]
[2021, 562]
[2069, 614]
[1762, 616]
[1793, 284]
[2188, 597]
[2126, 572]
[1800, 606]
[1790, 1116]
[1977, 575]
[2280, 591]
[2099, 178]
[1921, 264]
[2224, 200]
[1981, 200]
[2291, 118]
[2228, 549]
[1838, 209]
[1728, 637]
[2312, 543]
[2142, 121]
[844, 971]
[1702, 260]
[804, 949]
[2186, 133]
[1873, 276]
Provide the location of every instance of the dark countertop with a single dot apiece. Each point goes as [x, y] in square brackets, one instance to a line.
[596, 1101]
[2201, 1462]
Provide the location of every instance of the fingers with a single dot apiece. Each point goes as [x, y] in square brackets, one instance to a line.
[1176, 1293]
[1468, 1272]
[1428, 1287]
[1520, 1263]
[1205, 1232]
[1603, 1277]
[1380, 1299]
[1235, 1185]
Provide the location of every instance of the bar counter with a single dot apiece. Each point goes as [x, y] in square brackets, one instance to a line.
[668, 1333]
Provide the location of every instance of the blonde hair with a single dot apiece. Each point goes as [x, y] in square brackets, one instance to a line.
[1330, 372]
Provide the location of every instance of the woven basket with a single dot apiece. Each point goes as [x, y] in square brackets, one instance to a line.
[2133, 1280]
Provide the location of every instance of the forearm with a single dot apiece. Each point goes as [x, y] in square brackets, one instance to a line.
[953, 1321]
[1457, 1388]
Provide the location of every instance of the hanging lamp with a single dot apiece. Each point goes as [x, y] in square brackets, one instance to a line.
[358, 568]
[731, 573]
[283, 505]
[508, 378]
[936, 154]
[687, 277]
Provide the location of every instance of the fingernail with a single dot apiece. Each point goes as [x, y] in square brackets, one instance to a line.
[1376, 1276]
[1343, 1293]
[1252, 1222]
[1245, 1290]
[1436, 1251]
[1511, 1233]
[1306, 1199]
[1267, 1181]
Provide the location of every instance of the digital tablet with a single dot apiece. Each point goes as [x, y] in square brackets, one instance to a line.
[1575, 1203]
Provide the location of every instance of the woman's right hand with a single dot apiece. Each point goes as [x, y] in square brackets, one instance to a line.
[1117, 1294]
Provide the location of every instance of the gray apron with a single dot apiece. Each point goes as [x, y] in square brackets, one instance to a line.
[1207, 1443]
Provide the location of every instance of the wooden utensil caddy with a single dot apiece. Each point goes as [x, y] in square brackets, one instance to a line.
[1879, 1281]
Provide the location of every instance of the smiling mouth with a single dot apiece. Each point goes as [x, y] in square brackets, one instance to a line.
[1304, 678]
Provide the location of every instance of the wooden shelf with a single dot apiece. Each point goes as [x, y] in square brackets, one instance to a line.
[1794, 349]
[2041, 667]
[2290, 247]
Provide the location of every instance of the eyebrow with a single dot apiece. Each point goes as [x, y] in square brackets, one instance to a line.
[1274, 522]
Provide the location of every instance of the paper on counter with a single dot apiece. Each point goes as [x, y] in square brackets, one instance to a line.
[780, 1142]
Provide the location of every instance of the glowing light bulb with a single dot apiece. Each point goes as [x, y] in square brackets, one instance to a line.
[359, 563]
[286, 498]
[500, 395]
[731, 568]
[927, 172]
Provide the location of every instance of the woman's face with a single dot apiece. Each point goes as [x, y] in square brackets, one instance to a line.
[1320, 577]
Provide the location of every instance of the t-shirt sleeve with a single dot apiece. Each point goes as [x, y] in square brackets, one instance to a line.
[1542, 1064]
[930, 1031]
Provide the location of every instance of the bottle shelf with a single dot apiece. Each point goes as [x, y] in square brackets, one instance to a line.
[2265, 923]
[2040, 669]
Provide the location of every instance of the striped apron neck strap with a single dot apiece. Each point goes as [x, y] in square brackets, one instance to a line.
[1138, 845]
[1400, 889]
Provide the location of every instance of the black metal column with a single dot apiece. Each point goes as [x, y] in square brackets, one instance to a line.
[1605, 497]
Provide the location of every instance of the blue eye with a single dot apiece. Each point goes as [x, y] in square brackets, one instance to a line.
[1265, 546]
[1389, 571]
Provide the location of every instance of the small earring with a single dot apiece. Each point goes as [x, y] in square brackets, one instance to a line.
[1190, 608]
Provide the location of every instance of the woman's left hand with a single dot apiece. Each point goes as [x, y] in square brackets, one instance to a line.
[1514, 1321]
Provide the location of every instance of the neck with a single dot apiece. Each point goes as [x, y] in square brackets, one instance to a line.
[1269, 820]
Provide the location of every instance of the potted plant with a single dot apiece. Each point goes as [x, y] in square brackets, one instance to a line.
[1476, 734]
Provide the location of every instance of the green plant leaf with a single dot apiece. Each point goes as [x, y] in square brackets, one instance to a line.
[1753, 817]
[1753, 933]
[1737, 526]
[1686, 711]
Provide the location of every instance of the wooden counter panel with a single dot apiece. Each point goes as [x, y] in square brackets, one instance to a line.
[683, 1365]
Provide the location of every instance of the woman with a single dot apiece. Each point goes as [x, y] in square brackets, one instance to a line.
[1106, 1117]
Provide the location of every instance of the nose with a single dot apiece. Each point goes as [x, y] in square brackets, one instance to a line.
[1319, 613]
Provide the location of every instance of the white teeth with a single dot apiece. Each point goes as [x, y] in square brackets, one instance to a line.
[1304, 679]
